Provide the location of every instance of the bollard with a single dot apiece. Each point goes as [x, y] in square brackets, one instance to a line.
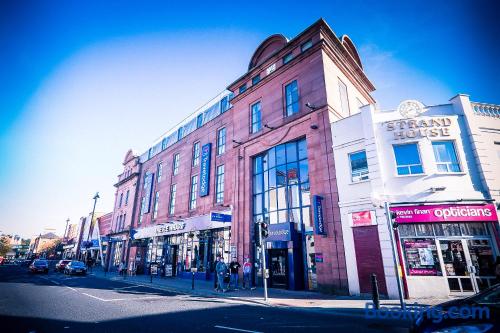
[192, 280]
[375, 295]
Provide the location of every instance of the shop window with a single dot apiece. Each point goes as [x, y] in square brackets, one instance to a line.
[291, 98]
[406, 230]
[447, 229]
[221, 141]
[421, 257]
[408, 159]
[473, 229]
[176, 163]
[280, 155]
[424, 229]
[344, 98]
[446, 156]
[196, 153]
[256, 118]
[359, 166]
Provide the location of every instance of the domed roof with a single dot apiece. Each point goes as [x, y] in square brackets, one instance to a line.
[268, 47]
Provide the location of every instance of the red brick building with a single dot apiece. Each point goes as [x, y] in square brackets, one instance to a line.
[261, 151]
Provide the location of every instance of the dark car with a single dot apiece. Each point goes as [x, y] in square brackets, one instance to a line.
[479, 314]
[39, 266]
[61, 264]
[75, 267]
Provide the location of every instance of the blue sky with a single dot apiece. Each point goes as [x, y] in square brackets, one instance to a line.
[81, 82]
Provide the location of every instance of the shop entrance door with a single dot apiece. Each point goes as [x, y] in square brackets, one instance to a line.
[278, 269]
[171, 260]
[482, 263]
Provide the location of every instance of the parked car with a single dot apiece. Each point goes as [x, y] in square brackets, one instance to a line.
[479, 314]
[39, 265]
[75, 267]
[61, 265]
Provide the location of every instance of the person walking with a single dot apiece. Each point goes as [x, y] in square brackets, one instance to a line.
[247, 274]
[234, 268]
[221, 269]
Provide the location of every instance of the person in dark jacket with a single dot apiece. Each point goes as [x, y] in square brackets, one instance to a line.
[221, 270]
[234, 267]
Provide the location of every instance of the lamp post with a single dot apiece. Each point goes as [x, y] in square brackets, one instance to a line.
[96, 196]
[66, 230]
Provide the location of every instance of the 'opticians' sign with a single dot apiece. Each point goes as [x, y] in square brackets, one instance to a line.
[205, 169]
[421, 128]
[445, 213]
[318, 217]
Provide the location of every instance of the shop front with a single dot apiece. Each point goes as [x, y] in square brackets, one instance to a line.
[181, 248]
[447, 249]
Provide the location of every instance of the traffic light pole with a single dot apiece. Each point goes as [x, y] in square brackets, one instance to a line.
[264, 270]
[394, 255]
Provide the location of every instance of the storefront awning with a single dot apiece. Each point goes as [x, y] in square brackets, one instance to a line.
[213, 220]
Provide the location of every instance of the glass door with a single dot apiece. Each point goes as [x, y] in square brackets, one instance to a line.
[279, 271]
[482, 263]
[457, 266]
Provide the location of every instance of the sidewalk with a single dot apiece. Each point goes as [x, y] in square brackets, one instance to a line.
[302, 300]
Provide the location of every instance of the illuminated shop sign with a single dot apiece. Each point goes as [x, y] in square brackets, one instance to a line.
[280, 232]
[422, 128]
[205, 169]
[166, 228]
[446, 213]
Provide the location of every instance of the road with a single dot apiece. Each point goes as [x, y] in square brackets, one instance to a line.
[59, 303]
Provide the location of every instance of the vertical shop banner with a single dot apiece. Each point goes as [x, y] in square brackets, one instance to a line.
[206, 152]
[148, 189]
[319, 219]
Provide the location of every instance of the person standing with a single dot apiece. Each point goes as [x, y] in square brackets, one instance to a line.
[247, 274]
[234, 268]
[221, 269]
[216, 279]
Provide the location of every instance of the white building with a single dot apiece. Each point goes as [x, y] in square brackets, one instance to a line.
[437, 168]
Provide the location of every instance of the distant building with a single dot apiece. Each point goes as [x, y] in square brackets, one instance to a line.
[40, 245]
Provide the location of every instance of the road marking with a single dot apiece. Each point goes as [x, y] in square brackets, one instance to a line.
[235, 329]
[71, 288]
[124, 287]
[101, 299]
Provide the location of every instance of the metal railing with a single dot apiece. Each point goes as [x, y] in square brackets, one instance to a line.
[485, 109]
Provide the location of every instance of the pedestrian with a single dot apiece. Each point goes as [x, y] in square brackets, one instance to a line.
[221, 270]
[234, 268]
[497, 269]
[247, 274]
[214, 268]
[121, 267]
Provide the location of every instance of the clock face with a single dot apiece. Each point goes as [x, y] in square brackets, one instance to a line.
[411, 108]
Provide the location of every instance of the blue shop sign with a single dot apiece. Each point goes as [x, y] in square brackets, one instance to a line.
[319, 219]
[280, 232]
[206, 153]
[219, 217]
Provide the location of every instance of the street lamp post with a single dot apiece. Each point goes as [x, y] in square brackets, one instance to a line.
[96, 196]
[66, 230]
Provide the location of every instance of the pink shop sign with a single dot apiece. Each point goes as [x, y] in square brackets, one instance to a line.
[445, 213]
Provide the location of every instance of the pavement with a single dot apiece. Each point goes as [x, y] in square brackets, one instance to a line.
[298, 300]
[38, 303]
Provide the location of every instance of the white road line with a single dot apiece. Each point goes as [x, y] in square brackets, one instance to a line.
[70, 288]
[124, 287]
[235, 329]
[55, 282]
[101, 299]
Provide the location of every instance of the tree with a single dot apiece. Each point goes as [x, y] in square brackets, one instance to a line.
[4, 246]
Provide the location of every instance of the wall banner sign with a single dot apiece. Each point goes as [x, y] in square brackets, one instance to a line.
[319, 219]
[206, 152]
[446, 213]
[318, 257]
[280, 232]
[361, 219]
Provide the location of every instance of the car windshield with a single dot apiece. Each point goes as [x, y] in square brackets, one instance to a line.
[40, 263]
[77, 264]
[488, 297]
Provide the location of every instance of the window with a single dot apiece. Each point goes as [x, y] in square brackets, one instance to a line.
[291, 98]
[160, 171]
[180, 133]
[306, 46]
[121, 199]
[176, 163]
[255, 79]
[224, 104]
[126, 197]
[196, 153]
[155, 207]
[173, 192]
[421, 257]
[221, 141]
[287, 58]
[199, 121]
[256, 118]
[408, 159]
[359, 166]
[194, 186]
[243, 88]
[219, 184]
[344, 98]
[446, 156]
[164, 144]
[143, 204]
[123, 220]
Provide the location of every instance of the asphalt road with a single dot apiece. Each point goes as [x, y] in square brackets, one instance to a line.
[58, 303]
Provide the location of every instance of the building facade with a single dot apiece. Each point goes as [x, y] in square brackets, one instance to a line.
[261, 151]
[436, 178]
